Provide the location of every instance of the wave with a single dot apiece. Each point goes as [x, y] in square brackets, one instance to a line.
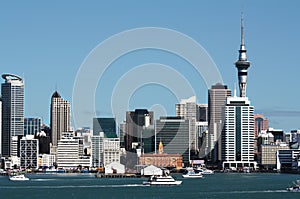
[72, 186]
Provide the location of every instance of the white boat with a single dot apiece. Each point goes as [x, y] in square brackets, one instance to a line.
[295, 187]
[205, 171]
[192, 173]
[18, 178]
[162, 180]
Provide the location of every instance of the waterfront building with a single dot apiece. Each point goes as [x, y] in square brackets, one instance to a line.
[32, 126]
[106, 125]
[267, 155]
[238, 134]
[70, 153]
[288, 160]
[46, 160]
[111, 149]
[12, 91]
[29, 147]
[115, 168]
[135, 121]
[188, 110]
[174, 133]
[216, 102]
[97, 150]
[60, 117]
[104, 150]
[161, 159]
[295, 139]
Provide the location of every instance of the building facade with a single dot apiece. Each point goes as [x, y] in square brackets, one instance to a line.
[60, 117]
[238, 134]
[12, 91]
[29, 148]
[105, 150]
[32, 126]
[174, 133]
[105, 125]
[135, 121]
[70, 153]
[188, 110]
[111, 149]
[216, 102]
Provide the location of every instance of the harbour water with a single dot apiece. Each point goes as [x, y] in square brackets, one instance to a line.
[219, 185]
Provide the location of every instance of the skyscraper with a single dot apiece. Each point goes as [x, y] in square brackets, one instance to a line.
[32, 126]
[188, 109]
[59, 117]
[12, 111]
[216, 102]
[261, 124]
[173, 132]
[135, 121]
[106, 125]
[238, 134]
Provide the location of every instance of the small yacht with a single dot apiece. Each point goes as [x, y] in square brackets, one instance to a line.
[18, 178]
[191, 173]
[162, 180]
[205, 171]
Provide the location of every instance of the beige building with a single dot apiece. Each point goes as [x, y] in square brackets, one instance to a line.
[268, 155]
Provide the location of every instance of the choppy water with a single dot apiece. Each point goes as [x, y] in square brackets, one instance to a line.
[229, 185]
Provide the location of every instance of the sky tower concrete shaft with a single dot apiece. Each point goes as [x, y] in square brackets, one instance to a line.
[242, 64]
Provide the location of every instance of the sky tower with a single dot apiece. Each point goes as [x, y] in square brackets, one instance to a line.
[242, 64]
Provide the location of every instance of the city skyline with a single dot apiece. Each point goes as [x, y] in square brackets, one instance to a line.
[46, 44]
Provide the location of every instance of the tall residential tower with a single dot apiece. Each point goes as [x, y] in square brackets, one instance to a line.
[12, 112]
[60, 117]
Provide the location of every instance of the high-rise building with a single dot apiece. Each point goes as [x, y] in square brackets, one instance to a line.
[216, 103]
[29, 148]
[105, 150]
[60, 117]
[105, 125]
[188, 109]
[12, 111]
[70, 153]
[237, 146]
[173, 132]
[135, 121]
[44, 142]
[202, 113]
[32, 126]
[97, 151]
[238, 134]
[260, 124]
[122, 133]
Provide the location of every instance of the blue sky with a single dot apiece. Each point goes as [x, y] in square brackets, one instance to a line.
[47, 42]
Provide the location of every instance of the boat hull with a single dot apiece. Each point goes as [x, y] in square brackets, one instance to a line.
[192, 176]
[163, 183]
[18, 178]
